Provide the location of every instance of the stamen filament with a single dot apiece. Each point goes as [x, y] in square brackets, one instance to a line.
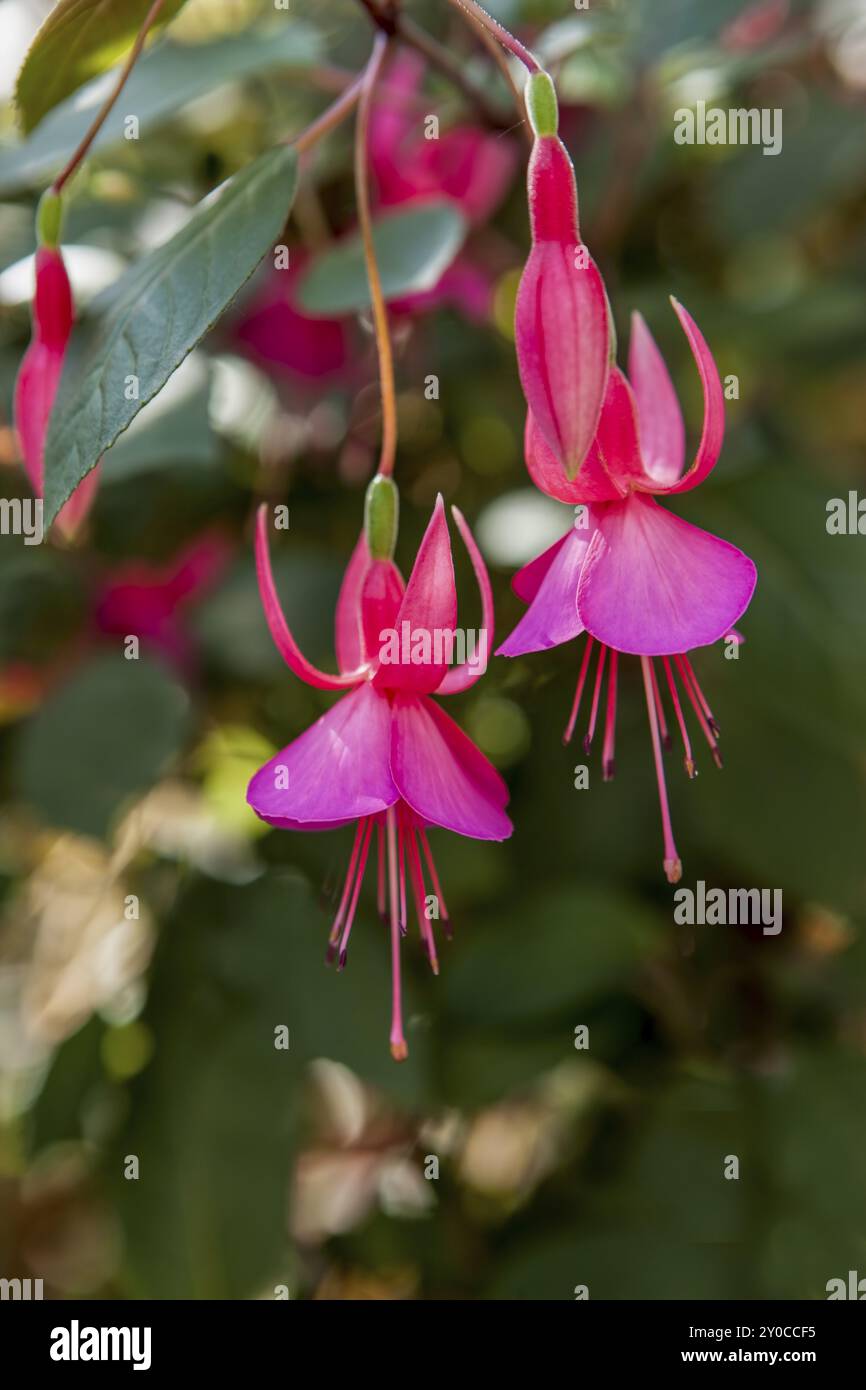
[596, 695]
[608, 764]
[399, 1049]
[667, 743]
[581, 680]
[359, 879]
[702, 719]
[437, 887]
[401, 856]
[672, 863]
[424, 924]
[684, 733]
[711, 719]
[350, 875]
[381, 895]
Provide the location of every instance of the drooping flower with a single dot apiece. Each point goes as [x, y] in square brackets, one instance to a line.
[42, 366]
[386, 756]
[562, 320]
[633, 577]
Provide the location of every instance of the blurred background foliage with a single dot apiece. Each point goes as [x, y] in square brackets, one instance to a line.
[153, 1034]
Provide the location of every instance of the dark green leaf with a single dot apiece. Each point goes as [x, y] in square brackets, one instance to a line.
[147, 323]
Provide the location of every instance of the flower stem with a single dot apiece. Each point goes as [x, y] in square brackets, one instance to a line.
[330, 117]
[507, 40]
[380, 313]
[105, 110]
[439, 57]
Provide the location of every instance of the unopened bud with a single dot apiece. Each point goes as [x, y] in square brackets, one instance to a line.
[381, 517]
[49, 219]
[541, 104]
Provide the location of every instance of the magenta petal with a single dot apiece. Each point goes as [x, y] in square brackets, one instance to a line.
[552, 617]
[527, 582]
[348, 624]
[336, 771]
[562, 338]
[279, 628]
[613, 465]
[550, 477]
[463, 676]
[662, 432]
[440, 773]
[713, 432]
[653, 585]
[428, 610]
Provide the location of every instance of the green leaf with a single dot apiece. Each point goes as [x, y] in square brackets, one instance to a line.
[147, 323]
[79, 39]
[565, 948]
[414, 248]
[105, 736]
[164, 80]
[212, 1118]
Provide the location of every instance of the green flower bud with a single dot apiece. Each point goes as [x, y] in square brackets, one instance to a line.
[381, 516]
[49, 218]
[541, 104]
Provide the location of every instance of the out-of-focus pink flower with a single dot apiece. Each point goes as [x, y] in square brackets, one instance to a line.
[562, 320]
[468, 165]
[758, 24]
[148, 602]
[386, 756]
[281, 337]
[631, 575]
[39, 378]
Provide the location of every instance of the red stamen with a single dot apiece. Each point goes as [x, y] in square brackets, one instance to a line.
[711, 719]
[667, 742]
[338, 920]
[672, 862]
[672, 687]
[359, 879]
[401, 855]
[607, 759]
[575, 708]
[596, 695]
[381, 899]
[424, 923]
[696, 706]
[399, 1049]
[437, 887]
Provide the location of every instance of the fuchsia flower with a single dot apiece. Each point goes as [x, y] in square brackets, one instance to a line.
[39, 378]
[284, 338]
[386, 756]
[465, 164]
[562, 319]
[149, 601]
[637, 579]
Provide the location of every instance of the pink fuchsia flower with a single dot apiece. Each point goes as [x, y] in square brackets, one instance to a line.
[149, 602]
[42, 367]
[562, 319]
[386, 757]
[465, 164]
[286, 340]
[632, 576]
